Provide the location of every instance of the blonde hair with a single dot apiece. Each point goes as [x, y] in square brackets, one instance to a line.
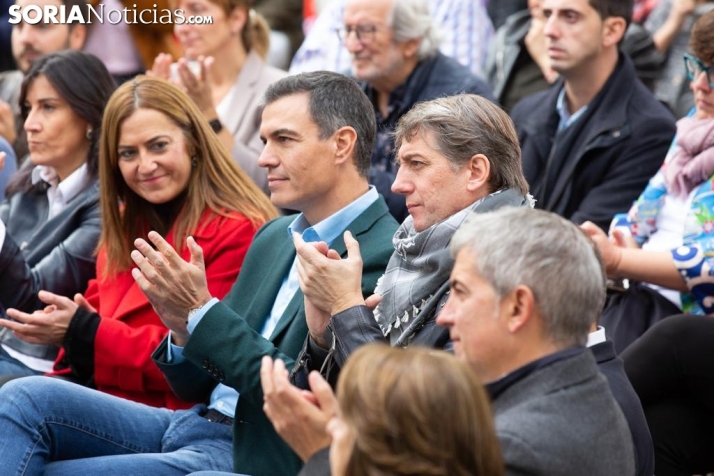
[416, 412]
[256, 32]
[216, 182]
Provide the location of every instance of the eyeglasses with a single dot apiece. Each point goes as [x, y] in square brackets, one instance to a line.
[695, 67]
[365, 33]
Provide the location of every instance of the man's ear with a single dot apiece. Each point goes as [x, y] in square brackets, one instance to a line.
[479, 170]
[77, 36]
[410, 47]
[613, 30]
[520, 308]
[344, 140]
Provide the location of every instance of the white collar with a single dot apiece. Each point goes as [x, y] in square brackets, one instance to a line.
[67, 188]
[597, 337]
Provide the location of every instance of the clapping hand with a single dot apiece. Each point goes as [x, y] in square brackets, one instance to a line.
[45, 326]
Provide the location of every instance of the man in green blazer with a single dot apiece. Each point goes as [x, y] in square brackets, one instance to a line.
[319, 130]
[326, 181]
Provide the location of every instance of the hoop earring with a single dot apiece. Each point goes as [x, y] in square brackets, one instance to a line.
[194, 162]
[89, 134]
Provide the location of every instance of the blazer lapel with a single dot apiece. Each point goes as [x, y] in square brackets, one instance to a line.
[243, 94]
[359, 226]
[291, 312]
[261, 305]
[362, 224]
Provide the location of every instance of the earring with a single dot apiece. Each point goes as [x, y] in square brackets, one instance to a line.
[194, 161]
[89, 134]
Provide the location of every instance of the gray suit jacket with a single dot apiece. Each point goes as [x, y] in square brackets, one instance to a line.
[563, 420]
[243, 115]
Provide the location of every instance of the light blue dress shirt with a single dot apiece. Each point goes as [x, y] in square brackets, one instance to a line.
[565, 117]
[224, 398]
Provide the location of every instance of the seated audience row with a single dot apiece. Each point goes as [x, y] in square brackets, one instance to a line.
[159, 170]
[526, 288]
[317, 164]
[222, 341]
[171, 191]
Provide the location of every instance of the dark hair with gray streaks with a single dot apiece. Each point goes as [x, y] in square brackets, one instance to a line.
[465, 125]
[335, 101]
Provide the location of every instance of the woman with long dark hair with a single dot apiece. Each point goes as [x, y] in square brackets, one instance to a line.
[50, 222]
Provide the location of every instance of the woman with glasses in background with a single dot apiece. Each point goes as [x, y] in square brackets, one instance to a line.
[672, 222]
[670, 23]
[671, 366]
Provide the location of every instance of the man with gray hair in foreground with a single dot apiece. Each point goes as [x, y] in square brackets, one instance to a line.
[525, 289]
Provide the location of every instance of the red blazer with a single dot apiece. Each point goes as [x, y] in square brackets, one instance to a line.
[130, 330]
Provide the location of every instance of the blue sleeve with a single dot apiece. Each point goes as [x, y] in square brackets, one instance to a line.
[174, 353]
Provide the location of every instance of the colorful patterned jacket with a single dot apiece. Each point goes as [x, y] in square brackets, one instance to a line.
[695, 258]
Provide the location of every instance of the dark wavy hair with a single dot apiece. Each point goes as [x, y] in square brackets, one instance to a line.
[84, 82]
[701, 41]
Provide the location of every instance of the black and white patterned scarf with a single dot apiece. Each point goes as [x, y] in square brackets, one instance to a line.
[421, 263]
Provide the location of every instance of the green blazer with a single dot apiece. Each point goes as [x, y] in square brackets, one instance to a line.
[227, 347]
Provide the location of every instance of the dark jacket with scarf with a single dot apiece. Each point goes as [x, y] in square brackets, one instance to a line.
[598, 165]
[357, 326]
[57, 255]
[434, 77]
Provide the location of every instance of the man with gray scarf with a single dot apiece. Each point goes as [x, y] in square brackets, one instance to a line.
[457, 155]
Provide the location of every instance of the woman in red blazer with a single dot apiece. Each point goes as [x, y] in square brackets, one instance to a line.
[161, 168]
